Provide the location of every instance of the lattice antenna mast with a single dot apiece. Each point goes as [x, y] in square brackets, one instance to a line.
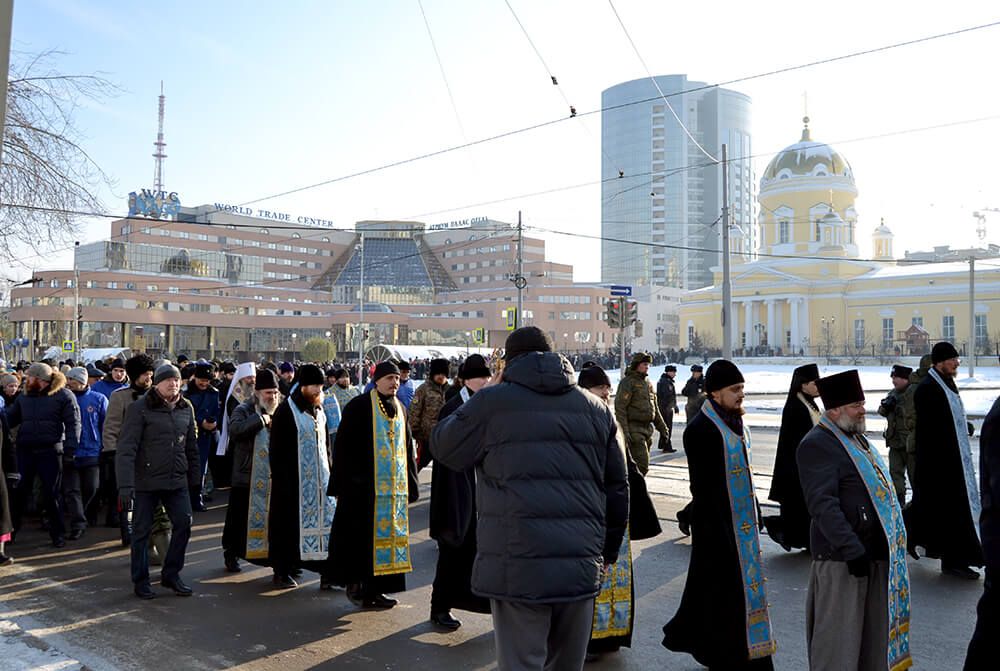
[160, 146]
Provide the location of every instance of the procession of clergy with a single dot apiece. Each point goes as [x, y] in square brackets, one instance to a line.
[331, 477]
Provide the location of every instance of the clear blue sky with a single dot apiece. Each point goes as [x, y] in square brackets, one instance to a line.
[264, 97]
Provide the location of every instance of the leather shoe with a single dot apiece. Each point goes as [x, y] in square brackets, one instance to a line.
[59, 542]
[446, 620]
[354, 595]
[380, 601]
[328, 584]
[75, 535]
[295, 573]
[232, 563]
[144, 591]
[180, 589]
[283, 582]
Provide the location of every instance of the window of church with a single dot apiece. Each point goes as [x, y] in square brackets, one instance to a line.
[917, 321]
[783, 231]
[982, 331]
[859, 333]
[816, 235]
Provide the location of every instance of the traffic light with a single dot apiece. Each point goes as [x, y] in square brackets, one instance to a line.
[614, 313]
[631, 312]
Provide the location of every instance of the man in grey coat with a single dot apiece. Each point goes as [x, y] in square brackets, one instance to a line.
[157, 462]
[552, 496]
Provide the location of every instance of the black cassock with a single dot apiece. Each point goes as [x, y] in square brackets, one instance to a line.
[791, 527]
[710, 623]
[283, 508]
[353, 483]
[453, 526]
[939, 518]
[984, 649]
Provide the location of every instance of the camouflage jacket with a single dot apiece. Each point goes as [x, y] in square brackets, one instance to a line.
[899, 420]
[635, 405]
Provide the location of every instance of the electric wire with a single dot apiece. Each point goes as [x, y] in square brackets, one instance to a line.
[657, 85]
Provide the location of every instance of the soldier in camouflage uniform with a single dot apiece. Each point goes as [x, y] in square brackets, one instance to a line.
[636, 410]
[897, 431]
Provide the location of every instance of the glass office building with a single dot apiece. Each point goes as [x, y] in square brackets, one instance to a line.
[661, 191]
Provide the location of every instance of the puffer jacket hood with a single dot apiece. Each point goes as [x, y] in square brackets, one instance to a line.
[542, 372]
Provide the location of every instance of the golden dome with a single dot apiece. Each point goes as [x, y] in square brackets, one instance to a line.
[807, 158]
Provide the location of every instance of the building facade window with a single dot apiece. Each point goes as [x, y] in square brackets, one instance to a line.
[917, 321]
[783, 231]
[982, 331]
[948, 328]
[859, 333]
[887, 332]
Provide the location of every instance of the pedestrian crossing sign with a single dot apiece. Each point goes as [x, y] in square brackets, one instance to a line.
[68, 346]
[479, 336]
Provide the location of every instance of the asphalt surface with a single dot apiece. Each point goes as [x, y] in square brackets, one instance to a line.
[73, 608]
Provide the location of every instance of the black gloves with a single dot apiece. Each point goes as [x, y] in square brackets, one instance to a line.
[860, 567]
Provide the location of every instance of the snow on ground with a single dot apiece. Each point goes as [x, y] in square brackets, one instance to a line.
[978, 393]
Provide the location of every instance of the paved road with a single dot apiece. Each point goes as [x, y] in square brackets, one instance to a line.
[73, 608]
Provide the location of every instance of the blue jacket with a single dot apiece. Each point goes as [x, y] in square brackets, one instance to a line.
[107, 386]
[405, 393]
[206, 407]
[93, 410]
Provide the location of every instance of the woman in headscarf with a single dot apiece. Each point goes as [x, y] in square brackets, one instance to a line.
[790, 529]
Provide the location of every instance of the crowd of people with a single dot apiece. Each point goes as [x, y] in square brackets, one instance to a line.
[537, 490]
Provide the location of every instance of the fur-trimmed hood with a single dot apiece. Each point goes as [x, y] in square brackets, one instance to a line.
[57, 383]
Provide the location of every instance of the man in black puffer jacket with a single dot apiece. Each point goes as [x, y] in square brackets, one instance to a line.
[51, 433]
[552, 496]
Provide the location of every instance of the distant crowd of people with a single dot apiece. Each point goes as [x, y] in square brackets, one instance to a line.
[537, 490]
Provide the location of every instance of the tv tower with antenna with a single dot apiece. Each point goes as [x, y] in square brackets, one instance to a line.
[160, 146]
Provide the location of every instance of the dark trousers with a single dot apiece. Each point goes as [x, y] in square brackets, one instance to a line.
[47, 465]
[984, 649]
[234, 532]
[80, 484]
[177, 503]
[109, 487]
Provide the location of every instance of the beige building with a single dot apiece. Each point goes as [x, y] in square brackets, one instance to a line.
[211, 282]
[811, 291]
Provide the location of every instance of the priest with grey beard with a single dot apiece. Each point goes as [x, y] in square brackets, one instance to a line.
[249, 431]
[858, 604]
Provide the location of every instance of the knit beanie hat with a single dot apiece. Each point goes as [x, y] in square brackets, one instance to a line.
[943, 351]
[592, 375]
[524, 340]
[721, 374]
[42, 371]
[165, 372]
[385, 368]
[310, 374]
[78, 373]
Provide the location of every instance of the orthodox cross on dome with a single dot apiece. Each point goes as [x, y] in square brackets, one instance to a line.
[805, 117]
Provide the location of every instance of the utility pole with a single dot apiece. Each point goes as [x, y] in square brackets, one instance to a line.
[727, 278]
[621, 340]
[972, 316]
[361, 323]
[77, 312]
[520, 282]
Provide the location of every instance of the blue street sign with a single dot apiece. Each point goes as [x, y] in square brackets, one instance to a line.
[619, 290]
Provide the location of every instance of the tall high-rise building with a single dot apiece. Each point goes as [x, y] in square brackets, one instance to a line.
[660, 188]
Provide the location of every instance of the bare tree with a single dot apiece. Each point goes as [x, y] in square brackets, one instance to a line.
[47, 178]
[859, 348]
